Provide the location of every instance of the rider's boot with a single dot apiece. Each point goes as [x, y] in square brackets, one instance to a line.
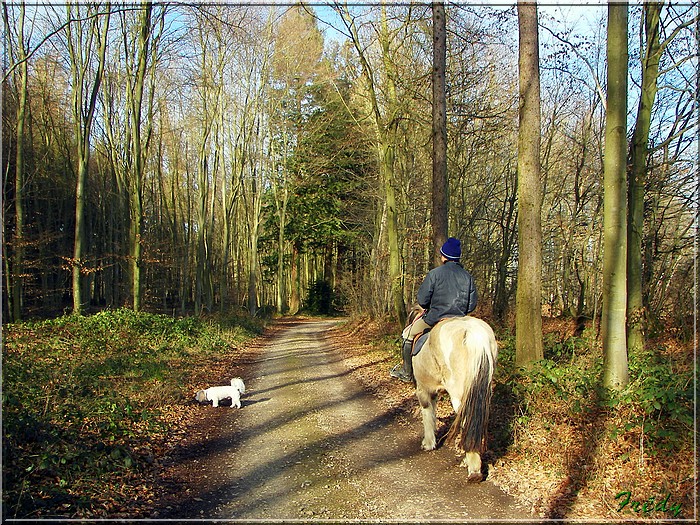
[404, 373]
[406, 352]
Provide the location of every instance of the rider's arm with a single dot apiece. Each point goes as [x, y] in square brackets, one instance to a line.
[472, 297]
[425, 292]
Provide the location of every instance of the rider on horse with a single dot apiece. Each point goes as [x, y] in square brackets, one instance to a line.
[447, 291]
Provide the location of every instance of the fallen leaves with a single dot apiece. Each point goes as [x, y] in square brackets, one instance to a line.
[93, 407]
[559, 462]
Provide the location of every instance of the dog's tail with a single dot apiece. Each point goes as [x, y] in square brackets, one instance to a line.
[237, 382]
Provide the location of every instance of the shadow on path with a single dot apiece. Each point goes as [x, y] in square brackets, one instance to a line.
[311, 443]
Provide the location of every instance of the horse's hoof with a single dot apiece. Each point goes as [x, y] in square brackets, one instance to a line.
[475, 477]
[428, 445]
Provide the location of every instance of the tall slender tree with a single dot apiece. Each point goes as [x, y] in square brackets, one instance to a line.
[613, 329]
[439, 196]
[528, 315]
[141, 53]
[639, 153]
[86, 34]
[209, 87]
[14, 278]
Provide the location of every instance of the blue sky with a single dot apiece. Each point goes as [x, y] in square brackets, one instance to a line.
[583, 19]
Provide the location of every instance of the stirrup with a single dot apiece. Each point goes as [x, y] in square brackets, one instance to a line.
[399, 373]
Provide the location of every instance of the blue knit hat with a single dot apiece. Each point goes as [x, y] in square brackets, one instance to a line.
[452, 249]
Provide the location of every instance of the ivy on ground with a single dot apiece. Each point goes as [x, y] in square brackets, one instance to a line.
[88, 405]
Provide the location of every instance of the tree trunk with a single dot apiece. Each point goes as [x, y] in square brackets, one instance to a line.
[281, 298]
[508, 231]
[613, 334]
[440, 188]
[83, 114]
[295, 294]
[253, 276]
[637, 179]
[16, 276]
[388, 134]
[386, 170]
[528, 316]
[138, 147]
[230, 188]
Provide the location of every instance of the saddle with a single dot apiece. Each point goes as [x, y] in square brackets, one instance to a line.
[420, 339]
[418, 343]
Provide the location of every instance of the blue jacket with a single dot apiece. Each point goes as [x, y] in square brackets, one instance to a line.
[447, 291]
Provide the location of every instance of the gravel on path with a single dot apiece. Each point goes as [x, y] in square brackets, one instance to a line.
[310, 444]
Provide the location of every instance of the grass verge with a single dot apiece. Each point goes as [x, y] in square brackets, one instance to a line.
[89, 402]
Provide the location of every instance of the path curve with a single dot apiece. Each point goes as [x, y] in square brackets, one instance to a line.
[309, 443]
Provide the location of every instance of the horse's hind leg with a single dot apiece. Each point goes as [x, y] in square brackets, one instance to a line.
[427, 406]
[472, 461]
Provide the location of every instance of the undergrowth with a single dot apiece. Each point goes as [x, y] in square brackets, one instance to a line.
[576, 446]
[83, 403]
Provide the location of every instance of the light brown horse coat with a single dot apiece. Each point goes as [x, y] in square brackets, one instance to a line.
[459, 357]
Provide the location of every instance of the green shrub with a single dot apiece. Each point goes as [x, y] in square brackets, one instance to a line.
[658, 402]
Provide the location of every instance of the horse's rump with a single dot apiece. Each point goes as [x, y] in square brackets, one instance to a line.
[462, 360]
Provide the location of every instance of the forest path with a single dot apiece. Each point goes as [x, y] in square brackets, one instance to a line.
[310, 443]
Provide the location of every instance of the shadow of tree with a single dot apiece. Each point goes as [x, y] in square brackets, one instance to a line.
[589, 428]
[504, 408]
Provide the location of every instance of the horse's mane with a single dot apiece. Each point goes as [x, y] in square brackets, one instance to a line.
[416, 311]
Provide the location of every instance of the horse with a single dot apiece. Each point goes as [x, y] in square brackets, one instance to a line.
[459, 356]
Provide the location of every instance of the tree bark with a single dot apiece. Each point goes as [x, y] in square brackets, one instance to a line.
[440, 187]
[528, 316]
[613, 331]
[639, 152]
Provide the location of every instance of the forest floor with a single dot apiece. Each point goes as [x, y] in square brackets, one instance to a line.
[99, 421]
[347, 462]
[323, 433]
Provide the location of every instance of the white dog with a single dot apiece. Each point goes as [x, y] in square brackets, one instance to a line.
[217, 393]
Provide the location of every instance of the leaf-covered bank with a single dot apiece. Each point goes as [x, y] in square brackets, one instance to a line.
[89, 405]
[576, 450]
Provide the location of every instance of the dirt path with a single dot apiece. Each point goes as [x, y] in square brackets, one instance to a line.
[310, 443]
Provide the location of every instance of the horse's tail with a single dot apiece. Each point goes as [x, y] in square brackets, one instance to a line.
[472, 418]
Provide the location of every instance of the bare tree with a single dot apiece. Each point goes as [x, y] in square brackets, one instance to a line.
[140, 51]
[638, 154]
[386, 120]
[14, 274]
[86, 34]
[613, 328]
[528, 316]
